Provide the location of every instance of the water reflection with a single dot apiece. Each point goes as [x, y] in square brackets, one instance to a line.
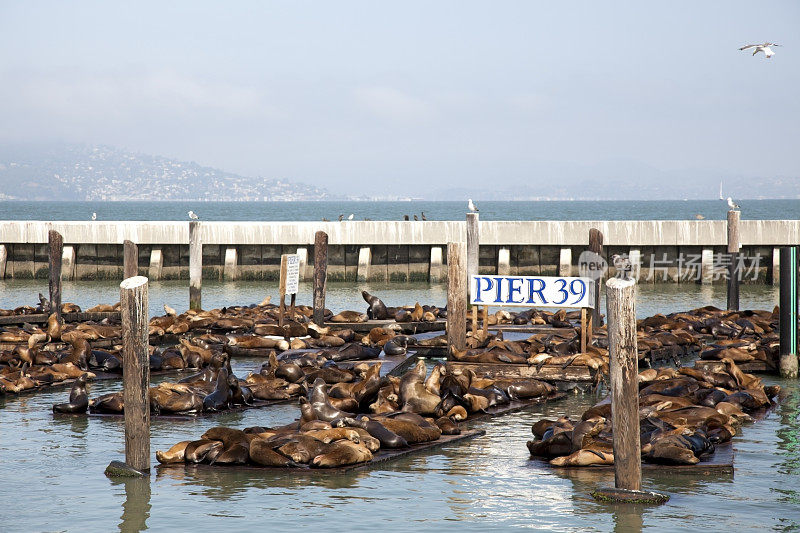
[225, 483]
[136, 507]
[75, 423]
[628, 518]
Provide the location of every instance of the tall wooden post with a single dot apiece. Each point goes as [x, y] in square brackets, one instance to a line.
[320, 275]
[195, 266]
[130, 259]
[457, 295]
[596, 246]
[55, 250]
[135, 371]
[788, 312]
[733, 254]
[624, 372]
[282, 289]
[473, 246]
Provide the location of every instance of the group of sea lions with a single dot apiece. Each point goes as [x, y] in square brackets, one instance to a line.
[347, 422]
[683, 415]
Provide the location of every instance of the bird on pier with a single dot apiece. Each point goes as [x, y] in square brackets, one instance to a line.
[341, 217]
[731, 204]
[423, 216]
[699, 216]
[325, 219]
[471, 206]
[405, 217]
[768, 53]
[415, 218]
[351, 216]
[192, 215]
[94, 216]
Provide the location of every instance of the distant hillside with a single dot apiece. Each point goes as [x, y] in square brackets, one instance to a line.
[85, 172]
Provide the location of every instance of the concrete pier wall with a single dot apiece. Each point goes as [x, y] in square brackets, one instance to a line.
[669, 251]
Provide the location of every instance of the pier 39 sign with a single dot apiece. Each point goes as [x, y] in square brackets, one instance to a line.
[532, 291]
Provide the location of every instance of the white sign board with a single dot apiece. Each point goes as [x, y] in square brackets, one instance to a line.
[531, 291]
[292, 273]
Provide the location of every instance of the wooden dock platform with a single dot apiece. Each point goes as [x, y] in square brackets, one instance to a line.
[379, 458]
[41, 318]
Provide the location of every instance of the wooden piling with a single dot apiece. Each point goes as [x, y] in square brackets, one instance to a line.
[320, 275]
[596, 246]
[282, 289]
[130, 259]
[195, 266]
[457, 295]
[788, 312]
[135, 371]
[624, 372]
[473, 246]
[733, 254]
[55, 250]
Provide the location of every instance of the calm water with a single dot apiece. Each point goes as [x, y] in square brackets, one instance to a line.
[51, 478]
[277, 211]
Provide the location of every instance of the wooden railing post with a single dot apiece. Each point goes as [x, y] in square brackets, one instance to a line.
[54, 255]
[734, 266]
[320, 275]
[624, 373]
[456, 295]
[195, 266]
[135, 371]
[130, 259]
[596, 246]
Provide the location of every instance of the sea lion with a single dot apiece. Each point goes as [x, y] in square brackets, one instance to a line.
[585, 457]
[321, 406]
[342, 453]
[413, 394]
[221, 397]
[107, 361]
[108, 403]
[202, 450]
[261, 453]
[447, 426]
[349, 316]
[377, 310]
[303, 448]
[78, 398]
[79, 355]
[387, 438]
[176, 454]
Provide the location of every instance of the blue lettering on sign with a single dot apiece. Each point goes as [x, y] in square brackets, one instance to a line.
[532, 291]
[498, 299]
[512, 289]
[478, 289]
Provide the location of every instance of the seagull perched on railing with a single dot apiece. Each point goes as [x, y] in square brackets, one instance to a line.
[192, 215]
[731, 204]
[472, 207]
[94, 216]
[351, 216]
[761, 48]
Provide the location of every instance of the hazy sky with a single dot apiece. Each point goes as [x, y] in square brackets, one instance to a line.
[430, 93]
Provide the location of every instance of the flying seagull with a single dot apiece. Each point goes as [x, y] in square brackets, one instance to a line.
[761, 48]
[472, 207]
[192, 215]
[94, 216]
[731, 204]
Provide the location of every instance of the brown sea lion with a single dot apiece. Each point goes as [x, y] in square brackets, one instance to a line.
[377, 310]
[176, 454]
[78, 398]
[261, 453]
[202, 450]
[342, 453]
[585, 457]
[349, 316]
[413, 395]
[303, 448]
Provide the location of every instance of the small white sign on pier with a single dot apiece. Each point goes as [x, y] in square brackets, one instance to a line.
[532, 291]
[292, 278]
